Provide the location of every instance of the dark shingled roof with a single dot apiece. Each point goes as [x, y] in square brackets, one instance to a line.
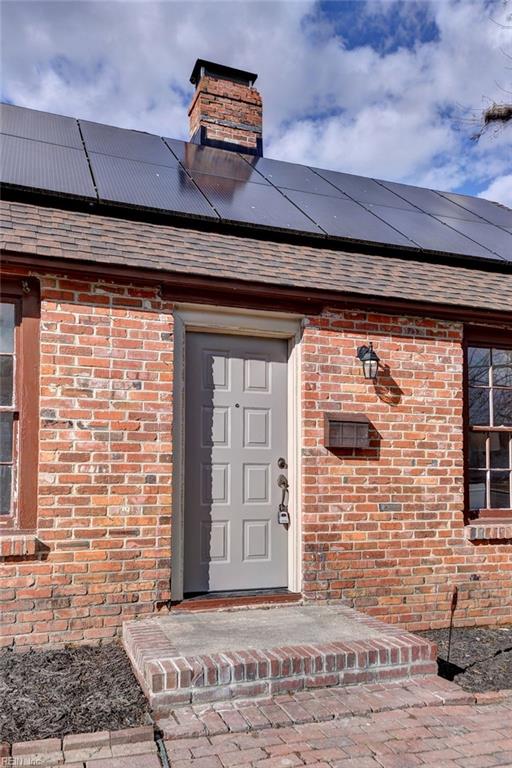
[76, 237]
[96, 166]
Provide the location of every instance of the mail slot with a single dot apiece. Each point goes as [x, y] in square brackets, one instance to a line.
[346, 430]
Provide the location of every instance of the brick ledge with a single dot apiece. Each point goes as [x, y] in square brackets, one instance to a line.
[490, 530]
[18, 545]
[81, 747]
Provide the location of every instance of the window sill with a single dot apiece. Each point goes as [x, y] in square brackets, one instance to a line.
[482, 428]
[491, 514]
[19, 545]
[490, 530]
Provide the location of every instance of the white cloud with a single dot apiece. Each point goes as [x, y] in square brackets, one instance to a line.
[406, 113]
[500, 190]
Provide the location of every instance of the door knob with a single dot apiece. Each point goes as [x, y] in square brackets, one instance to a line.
[282, 482]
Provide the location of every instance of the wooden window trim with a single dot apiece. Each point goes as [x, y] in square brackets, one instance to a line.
[480, 337]
[25, 293]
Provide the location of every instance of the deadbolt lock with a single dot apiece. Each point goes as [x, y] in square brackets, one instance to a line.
[281, 463]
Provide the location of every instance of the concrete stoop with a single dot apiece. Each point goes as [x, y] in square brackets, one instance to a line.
[205, 657]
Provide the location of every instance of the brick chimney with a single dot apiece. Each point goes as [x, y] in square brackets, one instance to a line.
[226, 110]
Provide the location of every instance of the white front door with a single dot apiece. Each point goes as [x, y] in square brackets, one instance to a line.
[236, 450]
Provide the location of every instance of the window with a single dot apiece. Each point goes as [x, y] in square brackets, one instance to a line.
[489, 439]
[8, 413]
[19, 386]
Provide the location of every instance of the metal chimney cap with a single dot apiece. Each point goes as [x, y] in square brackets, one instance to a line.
[203, 67]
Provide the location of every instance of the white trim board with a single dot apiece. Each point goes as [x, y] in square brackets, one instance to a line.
[279, 325]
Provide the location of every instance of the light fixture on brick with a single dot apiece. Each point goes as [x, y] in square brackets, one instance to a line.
[370, 360]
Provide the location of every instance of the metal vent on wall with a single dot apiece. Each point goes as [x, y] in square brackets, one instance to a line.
[346, 430]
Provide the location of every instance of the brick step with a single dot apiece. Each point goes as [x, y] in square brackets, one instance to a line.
[170, 678]
[303, 707]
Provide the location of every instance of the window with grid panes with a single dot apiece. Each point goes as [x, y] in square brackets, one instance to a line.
[489, 375]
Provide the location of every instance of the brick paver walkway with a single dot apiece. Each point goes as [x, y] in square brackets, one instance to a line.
[318, 705]
[452, 736]
[422, 722]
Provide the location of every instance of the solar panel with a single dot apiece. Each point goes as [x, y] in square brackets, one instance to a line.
[340, 217]
[45, 167]
[492, 212]
[363, 190]
[148, 185]
[253, 204]
[132, 145]
[215, 162]
[488, 235]
[429, 233]
[291, 176]
[41, 126]
[45, 152]
[430, 201]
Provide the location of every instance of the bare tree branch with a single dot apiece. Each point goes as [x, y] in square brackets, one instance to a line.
[497, 115]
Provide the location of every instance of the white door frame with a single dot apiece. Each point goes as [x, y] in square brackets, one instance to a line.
[276, 325]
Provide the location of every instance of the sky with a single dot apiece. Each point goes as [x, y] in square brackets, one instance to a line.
[387, 89]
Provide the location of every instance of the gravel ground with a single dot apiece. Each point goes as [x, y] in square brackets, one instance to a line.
[480, 657]
[75, 690]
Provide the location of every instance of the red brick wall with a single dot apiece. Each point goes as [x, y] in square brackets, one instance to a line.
[104, 467]
[400, 565]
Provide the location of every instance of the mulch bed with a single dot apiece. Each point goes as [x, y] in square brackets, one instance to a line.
[79, 689]
[480, 657]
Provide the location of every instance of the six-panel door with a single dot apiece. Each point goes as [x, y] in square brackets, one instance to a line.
[236, 432]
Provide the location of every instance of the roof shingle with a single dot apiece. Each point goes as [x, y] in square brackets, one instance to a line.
[82, 237]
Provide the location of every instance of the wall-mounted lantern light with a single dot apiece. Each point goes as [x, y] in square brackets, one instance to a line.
[370, 361]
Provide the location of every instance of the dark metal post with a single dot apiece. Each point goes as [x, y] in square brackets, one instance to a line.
[452, 611]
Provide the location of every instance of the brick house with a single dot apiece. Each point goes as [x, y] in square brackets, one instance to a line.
[184, 413]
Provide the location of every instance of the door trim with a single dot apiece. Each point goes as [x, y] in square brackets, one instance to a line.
[277, 325]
